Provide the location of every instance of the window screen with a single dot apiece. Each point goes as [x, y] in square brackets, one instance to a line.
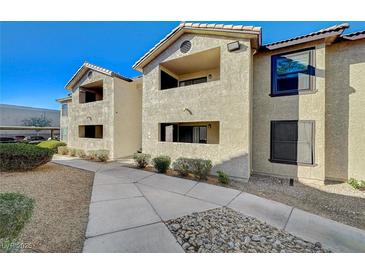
[292, 72]
[292, 142]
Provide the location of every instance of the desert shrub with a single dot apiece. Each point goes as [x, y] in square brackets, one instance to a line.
[98, 155]
[80, 153]
[72, 151]
[91, 155]
[357, 184]
[223, 177]
[102, 155]
[141, 159]
[182, 166]
[201, 168]
[161, 163]
[52, 144]
[15, 211]
[63, 150]
[23, 156]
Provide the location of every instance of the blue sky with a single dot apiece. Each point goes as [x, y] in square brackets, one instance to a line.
[38, 58]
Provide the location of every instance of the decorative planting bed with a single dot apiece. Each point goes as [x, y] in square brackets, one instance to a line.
[225, 230]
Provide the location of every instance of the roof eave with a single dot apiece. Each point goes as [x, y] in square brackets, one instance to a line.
[65, 99]
[177, 33]
[328, 38]
[85, 68]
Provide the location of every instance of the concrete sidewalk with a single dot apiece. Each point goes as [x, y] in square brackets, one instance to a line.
[129, 206]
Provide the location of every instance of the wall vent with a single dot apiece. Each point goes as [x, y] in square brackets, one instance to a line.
[185, 46]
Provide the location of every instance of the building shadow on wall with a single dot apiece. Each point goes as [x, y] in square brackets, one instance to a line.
[236, 166]
[338, 92]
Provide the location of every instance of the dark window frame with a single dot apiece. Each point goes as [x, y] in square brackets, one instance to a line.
[180, 128]
[311, 70]
[281, 161]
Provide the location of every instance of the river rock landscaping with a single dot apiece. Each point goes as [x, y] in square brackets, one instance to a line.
[225, 230]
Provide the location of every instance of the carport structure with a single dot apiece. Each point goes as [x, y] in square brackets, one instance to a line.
[51, 129]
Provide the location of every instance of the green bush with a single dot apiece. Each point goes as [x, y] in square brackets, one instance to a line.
[80, 153]
[357, 184]
[63, 150]
[52, 144]
[23, 156]
[141, 159]
[223, 177]
[72, 151]
[201, 168]
[98, 155]
[161, 163]
[15, 211]
[182, 166]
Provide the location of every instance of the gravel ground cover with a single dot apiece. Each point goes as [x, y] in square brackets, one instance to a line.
[336, 201]
[62, 196]
[225, 230]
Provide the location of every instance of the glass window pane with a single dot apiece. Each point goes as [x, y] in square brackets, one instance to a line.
[203, 135]
[292, 72]
[169, 131]
[290, 63]
[292, 141]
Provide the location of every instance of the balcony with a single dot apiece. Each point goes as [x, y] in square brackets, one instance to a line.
[193, 69]
[91, 92]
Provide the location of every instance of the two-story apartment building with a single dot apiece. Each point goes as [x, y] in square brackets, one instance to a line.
[102, 111]
[294, 108]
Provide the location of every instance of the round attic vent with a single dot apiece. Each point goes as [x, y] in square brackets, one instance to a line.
[185, 46]
[89, 74]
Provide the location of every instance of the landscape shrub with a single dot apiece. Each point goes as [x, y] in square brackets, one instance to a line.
[223, 177]
[62, 150]
[161, 163]
[357, 184]
[102, 155]
[98, 155]
[72, 151]
[201, 168]
[182, 166]
[15, 211]
[91, 155]
[80, 153]
[141, 159]
[52, 144]
[23, 157]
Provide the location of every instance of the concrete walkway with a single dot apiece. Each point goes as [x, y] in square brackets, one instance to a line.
[129, 206]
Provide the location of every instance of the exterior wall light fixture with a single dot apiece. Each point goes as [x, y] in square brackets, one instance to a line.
[233, 46]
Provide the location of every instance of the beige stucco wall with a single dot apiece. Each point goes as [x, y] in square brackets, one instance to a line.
[227, 101]
[296, 107]
[345, 110]
[93, 113]
[127, 117]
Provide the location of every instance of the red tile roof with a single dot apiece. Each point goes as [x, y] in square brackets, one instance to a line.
[354, 35]
[86, 67]
[201, 26]
[323, 33]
